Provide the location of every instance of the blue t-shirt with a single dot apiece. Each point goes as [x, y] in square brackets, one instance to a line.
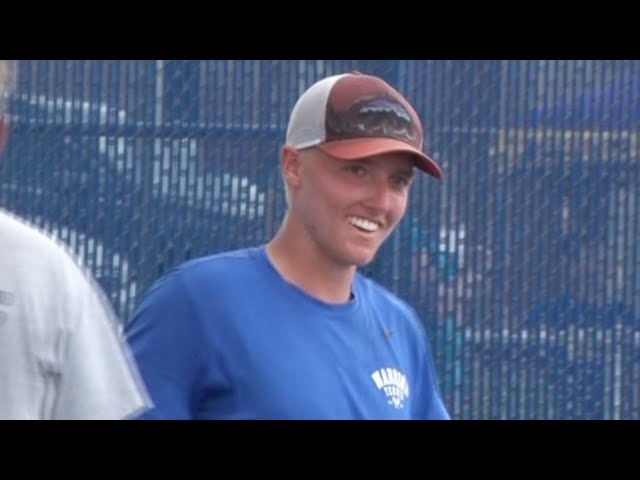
[227, 337]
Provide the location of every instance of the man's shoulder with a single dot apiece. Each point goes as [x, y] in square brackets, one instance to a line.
[36, 260]
[19, 235]
[225, 265]
[221, 260]
[376, 292]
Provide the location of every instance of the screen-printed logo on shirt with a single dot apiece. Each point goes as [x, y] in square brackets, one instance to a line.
[394, 385]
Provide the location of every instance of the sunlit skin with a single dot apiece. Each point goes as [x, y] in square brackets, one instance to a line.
[339, 215]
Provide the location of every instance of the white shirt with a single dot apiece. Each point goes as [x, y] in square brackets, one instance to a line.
[62, 355]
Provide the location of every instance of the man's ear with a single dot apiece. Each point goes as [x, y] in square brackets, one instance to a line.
[4, 131]
[291, 166]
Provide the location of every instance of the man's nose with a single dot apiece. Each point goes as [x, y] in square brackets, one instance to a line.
[379, 195]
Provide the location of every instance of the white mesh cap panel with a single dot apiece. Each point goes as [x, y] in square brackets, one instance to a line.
[307, 120]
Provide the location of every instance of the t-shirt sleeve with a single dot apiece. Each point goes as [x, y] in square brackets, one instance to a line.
[432, 407]
[165, 344]
[429, 405]
[98, 378]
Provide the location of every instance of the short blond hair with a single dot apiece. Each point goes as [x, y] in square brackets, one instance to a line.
[8, 81]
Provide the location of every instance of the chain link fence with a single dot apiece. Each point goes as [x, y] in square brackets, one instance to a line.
[523, 263]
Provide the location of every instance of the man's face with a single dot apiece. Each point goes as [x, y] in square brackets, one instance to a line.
[348, 208]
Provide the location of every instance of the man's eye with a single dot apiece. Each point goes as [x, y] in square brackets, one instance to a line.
[357, 169]
[401, 181]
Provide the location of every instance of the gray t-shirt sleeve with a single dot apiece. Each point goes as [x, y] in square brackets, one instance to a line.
[98, 377]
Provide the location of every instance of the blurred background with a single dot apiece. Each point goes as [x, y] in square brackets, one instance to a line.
[522, 263]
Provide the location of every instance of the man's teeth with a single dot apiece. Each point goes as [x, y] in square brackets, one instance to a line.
[364, 224]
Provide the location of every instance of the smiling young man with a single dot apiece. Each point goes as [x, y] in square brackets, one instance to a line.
[290, 329]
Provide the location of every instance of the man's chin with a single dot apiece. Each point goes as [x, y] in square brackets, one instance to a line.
[358, 257]
[364, 260]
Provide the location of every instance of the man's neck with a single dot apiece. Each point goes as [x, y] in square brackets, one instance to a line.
[306, 267]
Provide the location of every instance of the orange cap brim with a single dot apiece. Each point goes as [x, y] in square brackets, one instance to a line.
[356, 148]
